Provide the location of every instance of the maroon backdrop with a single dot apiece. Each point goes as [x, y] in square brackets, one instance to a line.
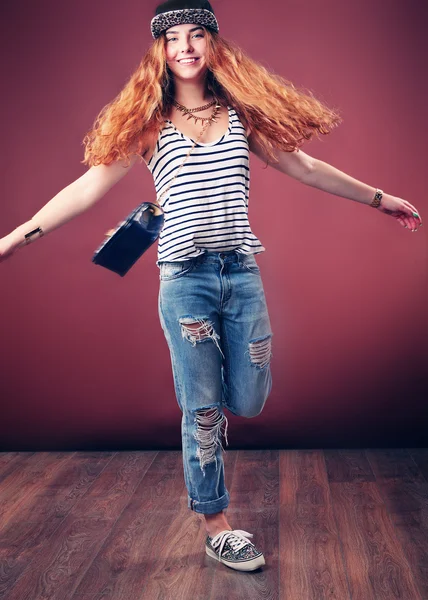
[84, 363]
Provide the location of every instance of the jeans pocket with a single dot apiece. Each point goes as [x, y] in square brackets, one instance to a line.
[250, 264]
[173, 270]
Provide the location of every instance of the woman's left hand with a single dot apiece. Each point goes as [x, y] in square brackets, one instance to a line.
[404, 212]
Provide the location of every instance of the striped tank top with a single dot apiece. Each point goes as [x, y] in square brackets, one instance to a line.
[206, 208]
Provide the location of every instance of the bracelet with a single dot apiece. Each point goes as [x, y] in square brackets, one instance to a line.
[27, 236]
[377, 198]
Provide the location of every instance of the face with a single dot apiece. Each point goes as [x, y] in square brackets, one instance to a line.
[186, 41]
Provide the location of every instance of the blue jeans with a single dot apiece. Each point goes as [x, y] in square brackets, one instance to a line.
[213, 312]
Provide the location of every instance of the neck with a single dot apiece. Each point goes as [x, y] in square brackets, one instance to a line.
[191, 94]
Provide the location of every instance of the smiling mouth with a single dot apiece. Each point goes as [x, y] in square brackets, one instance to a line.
[190, 61]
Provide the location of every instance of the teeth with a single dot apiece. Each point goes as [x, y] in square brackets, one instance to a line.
[188, 61]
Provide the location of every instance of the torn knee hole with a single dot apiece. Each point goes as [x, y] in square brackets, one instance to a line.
[207, 434]
[261, 352]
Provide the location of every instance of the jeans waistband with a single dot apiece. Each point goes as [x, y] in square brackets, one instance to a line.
[229, 256]
[210, 256]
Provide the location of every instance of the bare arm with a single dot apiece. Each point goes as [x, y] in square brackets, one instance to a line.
[319, 174]
[295, 164]
[73, 200]
[323, 176]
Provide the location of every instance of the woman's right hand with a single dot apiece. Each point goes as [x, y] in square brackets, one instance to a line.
[7, 247]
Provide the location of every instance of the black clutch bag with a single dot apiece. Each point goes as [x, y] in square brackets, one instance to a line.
[132, 237]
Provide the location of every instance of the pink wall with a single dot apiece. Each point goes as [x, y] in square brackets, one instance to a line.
[84, 363]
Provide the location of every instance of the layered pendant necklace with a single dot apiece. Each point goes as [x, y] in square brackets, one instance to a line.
[189, 111]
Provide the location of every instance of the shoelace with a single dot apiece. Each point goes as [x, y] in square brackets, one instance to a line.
[237, 538]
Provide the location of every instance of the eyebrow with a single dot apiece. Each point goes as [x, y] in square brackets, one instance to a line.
[193, 29]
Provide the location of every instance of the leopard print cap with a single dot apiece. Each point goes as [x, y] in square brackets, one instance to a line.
[165, 20]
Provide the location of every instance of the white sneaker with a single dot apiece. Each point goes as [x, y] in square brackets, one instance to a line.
[234, 549]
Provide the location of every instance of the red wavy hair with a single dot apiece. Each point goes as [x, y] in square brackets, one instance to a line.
[279, 115]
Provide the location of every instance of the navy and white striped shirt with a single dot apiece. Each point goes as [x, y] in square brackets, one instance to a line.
[206, 207]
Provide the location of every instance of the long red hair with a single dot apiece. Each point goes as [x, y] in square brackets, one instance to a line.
[279, 115]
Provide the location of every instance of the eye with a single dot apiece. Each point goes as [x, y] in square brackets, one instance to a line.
[174, 38]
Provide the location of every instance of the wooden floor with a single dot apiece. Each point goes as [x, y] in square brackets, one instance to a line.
[336, 524]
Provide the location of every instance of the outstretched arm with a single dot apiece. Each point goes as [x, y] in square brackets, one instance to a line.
[323, 176]
[71, 201]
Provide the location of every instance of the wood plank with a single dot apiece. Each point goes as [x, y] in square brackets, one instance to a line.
[31, 476]
[405, 493]
[376, 564]
[9, 461]
[348, 465]
[420, 456]
[310, 559]
[52, 500]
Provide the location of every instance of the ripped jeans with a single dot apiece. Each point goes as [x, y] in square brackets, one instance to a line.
[213, 312]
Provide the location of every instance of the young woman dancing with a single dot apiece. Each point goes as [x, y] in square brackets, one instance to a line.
[199, 96]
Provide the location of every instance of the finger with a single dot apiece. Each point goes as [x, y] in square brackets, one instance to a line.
[405, 220]
[416, 216]
[413, 224]
[401, 218]
[414, 211]
[412, 220]
[408, 205]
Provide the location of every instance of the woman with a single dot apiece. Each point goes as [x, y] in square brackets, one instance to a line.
[212, 305]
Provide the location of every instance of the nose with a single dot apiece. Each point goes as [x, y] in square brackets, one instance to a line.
[186, 45]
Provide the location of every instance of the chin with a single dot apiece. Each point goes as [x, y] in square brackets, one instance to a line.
[188, 73]
[196, 76]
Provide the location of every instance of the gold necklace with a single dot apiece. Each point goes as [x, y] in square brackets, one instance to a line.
[199, 108]
[189, 111]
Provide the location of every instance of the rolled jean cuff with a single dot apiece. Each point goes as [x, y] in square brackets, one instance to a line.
[211, 507]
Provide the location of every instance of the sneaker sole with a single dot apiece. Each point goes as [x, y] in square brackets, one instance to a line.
[249, 565]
